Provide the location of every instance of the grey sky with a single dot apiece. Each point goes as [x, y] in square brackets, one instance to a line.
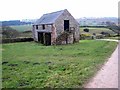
[32, 9]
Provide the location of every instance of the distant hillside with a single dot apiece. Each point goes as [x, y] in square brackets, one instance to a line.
[84, 21]
[29, 20]
[14, 23]
[91, 21]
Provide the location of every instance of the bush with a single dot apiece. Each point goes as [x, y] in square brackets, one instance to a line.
[9, 32]
[105, 33]
[100, 36]
[84, 36]
[8, 40]
[86, 30]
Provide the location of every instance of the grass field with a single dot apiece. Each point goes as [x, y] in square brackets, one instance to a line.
[26, 65]
[22, 28]
[97, 30]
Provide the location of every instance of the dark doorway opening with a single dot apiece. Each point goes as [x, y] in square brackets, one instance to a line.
[66, 25]
[43, 27]
[44, 38]
[36, 26]
[47, 39]
[40, 37]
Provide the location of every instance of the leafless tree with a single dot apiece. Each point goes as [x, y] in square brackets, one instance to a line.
[9, 32]
[115, 28]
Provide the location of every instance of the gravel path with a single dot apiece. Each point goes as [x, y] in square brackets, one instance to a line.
[109, 40]
[107, 77]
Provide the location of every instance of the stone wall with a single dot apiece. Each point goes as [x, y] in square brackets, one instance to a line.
[40, 27]
[33, 33]
[47, 27]
[59, 23]
[53, 35]
[65, 38]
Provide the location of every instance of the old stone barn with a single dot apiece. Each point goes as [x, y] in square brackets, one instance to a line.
[56, 28]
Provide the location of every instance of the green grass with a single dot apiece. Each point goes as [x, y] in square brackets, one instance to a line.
[26, 65]
[22, 28]
[97, 30]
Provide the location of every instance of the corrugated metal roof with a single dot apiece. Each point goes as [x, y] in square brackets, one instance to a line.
[49, 18]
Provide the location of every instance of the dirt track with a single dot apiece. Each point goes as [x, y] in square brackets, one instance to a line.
[107, 77]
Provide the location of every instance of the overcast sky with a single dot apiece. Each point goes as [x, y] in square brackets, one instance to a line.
[32, 9]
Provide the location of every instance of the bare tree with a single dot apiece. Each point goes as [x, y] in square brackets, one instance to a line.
[9, 32]
[115, 28]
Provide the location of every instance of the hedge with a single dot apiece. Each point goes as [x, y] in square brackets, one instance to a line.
[9, 40]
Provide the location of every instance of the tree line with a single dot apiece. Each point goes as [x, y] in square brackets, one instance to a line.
[14, 22]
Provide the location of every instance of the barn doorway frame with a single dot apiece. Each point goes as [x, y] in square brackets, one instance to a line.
[41, 37]
[47, 39]
[44, 38]
[66, 25]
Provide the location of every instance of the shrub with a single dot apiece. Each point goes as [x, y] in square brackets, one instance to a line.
[9, 40]
[9, 32]
[86, 30]
[100, 36]
[84, 36]
[105, 33]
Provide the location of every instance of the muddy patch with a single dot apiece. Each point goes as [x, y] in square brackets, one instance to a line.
[5, 62]
[36, 63]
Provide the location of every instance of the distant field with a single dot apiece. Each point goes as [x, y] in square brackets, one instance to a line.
[31, 65]
[97, 30]
[22, 28]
